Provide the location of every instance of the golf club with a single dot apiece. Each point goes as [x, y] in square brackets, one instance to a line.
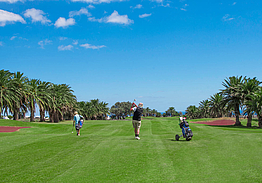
[133, 102]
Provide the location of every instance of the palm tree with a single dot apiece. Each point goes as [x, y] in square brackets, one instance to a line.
[250, 86]
[232, 94]
[216, 105]
[21, 86]
[36, 94]
[256, 105]
[204, 107]
[63, 102]
[95, 106]
[192, 112]
[8, 94]
[147, 110]
[46, 98]
[154, 112]
[104, 110]
[117, 109]
[171, 111]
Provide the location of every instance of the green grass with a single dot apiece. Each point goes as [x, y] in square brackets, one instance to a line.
[106, 151]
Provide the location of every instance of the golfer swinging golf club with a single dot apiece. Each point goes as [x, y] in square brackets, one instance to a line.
[138, 111]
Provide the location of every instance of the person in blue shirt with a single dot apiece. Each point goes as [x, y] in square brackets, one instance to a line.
[76, 123]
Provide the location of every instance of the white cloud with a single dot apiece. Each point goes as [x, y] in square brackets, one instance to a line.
[97, 1]
[90, 6]
[62, 38]
[89, 46]
[166, 5]
[120, 19]
[227, 18]
[113, 18]
[158, 1]
[8, 17]
[1, 43]
[93, 19]
[11, 1]
[62, 47]
[13, 37]
[145, 15]
[138, 6]
[82, 11]
[183, 9]
[44, 42]
[16, 37]
[62, 22]
[234, 3]
[75, 42]
[162, 3]
[36, 15]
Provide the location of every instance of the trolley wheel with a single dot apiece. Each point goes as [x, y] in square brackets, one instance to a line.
[177, 137]
[188, 138]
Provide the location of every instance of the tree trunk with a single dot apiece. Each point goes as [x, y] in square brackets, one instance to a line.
[238, 123]
[51, 116]
[56, 117]
[259, 121]
[42, 115]
[61, 118]
[249, 120]
[16, 113]
[32, 115]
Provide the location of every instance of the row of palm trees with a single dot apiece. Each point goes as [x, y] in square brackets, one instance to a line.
[93, 110]
[239, 94]
[19, 94]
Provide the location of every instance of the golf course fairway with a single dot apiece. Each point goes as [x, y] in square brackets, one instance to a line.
[107, 151]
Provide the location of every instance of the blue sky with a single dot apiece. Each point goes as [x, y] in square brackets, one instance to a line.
[162, 53]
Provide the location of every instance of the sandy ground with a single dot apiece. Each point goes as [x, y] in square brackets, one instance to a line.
[217, 122]
[10, 128]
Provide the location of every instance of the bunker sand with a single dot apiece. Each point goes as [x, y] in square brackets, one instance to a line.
[217, 122]
[10, 128]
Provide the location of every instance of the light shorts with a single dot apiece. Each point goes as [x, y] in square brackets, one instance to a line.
[78, 126]
[136, 124]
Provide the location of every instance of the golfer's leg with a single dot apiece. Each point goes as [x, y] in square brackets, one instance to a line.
[137, 131]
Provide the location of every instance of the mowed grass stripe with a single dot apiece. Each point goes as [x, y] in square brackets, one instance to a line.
[48, 157]
[124, 158]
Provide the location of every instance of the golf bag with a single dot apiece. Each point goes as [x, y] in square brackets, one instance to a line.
[81, 121]
[186, 131]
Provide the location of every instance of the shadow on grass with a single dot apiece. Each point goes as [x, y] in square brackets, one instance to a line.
[234, 127]
[180, 140]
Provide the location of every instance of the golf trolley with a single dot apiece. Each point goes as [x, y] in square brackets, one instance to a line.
[186, 131]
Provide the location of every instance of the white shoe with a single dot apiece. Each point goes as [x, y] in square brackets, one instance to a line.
[137, 138]
[78, 134]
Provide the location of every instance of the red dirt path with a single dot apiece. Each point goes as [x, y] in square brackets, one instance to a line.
[10, 128]
[217, 122]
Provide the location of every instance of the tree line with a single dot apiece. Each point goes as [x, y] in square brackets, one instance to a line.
[239, 93]
[121, 110]
[20, 95]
